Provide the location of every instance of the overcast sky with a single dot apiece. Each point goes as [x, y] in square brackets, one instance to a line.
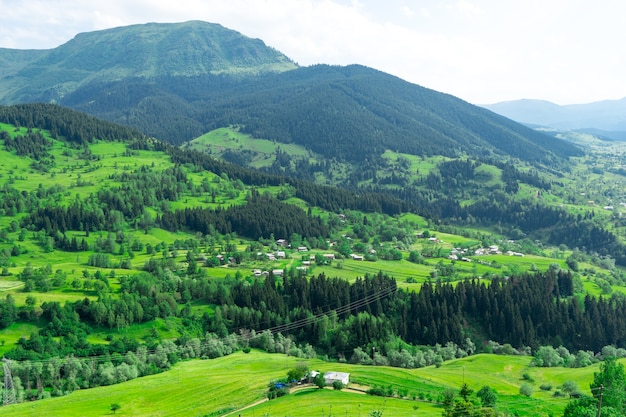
[483, 51]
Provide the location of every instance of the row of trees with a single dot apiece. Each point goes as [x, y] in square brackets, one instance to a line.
[529, 310]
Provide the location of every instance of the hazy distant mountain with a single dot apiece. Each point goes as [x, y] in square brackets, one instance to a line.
[147, 51]
[607, 115]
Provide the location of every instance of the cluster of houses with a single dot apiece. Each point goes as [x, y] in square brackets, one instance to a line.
[275, 272]
[460, 254]
[281, 254]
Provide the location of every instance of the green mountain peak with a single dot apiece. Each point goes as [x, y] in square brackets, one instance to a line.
[145, 50]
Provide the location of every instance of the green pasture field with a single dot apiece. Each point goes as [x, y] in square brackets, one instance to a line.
[70, 169]
[414, 219]
[454, 241]
[226, 385]
[10, 335]
[417, 163]
[403, 270]
[327, 402]
[523, 263]
[10, 285]
[219, 140]
[169, 328]
[492, 175]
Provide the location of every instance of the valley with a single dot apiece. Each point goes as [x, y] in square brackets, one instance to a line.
[178, 233]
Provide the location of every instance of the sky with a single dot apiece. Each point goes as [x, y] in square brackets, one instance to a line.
[482, 51]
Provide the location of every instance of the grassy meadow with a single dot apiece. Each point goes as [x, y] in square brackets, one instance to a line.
[227, 385]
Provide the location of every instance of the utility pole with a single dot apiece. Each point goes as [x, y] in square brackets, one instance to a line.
[600, 400]
[9, 390]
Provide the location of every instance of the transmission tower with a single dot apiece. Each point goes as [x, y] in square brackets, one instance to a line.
[9, 390]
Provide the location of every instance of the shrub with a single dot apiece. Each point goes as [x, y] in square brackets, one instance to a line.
[545, 387]
[277, 389]
[526, 389]
[569, 386]
[319, 381]
[488, 396]
[337, 385]
[376, 391]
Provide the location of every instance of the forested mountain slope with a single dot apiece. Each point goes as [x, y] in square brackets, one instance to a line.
[350, 113]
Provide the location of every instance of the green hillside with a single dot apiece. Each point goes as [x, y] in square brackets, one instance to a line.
[224, 386]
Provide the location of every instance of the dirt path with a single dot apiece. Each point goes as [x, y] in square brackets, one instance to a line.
[254, 404]
[355, 390]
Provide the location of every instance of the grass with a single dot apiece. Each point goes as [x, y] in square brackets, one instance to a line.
[10, 335]
[314, 402]
[226, 385]
[263, 151]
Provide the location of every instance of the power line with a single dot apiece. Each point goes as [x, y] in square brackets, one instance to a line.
[360, 303]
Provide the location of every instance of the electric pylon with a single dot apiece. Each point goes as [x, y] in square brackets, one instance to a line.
[9, 390]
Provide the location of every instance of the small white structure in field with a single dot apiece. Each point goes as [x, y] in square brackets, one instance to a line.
[343, 377]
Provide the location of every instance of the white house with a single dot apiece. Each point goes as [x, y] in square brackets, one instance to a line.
[343, 377]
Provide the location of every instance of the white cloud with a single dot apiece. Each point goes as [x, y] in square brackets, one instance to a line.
[469, 8]
[407, 11]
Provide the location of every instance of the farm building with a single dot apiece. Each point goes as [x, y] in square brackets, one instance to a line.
[342, 377]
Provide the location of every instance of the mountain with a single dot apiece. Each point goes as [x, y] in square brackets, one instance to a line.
[331, 110]
[178, 81]
[607, 115]
[147, 51]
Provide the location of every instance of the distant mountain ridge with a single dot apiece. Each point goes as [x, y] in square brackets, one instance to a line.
[148, 50]
[606, 115]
